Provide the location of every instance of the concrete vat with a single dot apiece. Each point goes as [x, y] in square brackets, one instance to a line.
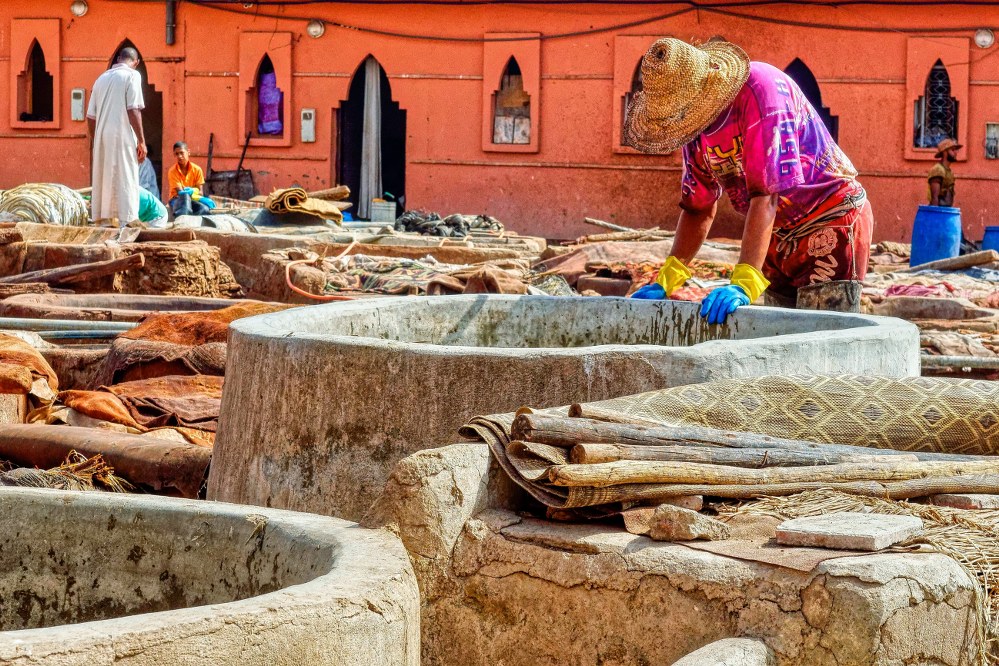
[95, 578]
[321, 402]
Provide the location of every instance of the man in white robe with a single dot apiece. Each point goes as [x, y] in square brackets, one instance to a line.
[114, 118]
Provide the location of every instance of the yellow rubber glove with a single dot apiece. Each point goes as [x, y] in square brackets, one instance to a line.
[750, 279]
[672, 275]
[196, 194]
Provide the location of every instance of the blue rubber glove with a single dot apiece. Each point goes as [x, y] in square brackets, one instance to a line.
[651, 292]
[722, 302]
[186, 190]
[205, 201]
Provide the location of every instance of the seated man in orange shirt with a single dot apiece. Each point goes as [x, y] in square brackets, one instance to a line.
[186, 180]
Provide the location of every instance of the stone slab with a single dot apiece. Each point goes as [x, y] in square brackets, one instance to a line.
[965, 501]
[848, 531]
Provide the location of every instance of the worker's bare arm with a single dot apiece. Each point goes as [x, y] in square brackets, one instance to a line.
[758, 231]
[135, 120]
[935, 184]
[691, 231]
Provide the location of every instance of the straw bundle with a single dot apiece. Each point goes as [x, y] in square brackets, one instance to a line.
[967, 537]
[78, 472]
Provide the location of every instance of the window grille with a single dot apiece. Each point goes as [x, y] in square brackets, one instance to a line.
[636, 86]
[992, 141]
[512, 110]
[936, 111]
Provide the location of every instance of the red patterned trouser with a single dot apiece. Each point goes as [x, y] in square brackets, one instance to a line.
[838, 251]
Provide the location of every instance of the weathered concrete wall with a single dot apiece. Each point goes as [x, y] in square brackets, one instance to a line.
[497, 587]
[321, 402]
[95, 578]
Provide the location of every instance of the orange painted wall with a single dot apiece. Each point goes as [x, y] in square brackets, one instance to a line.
[577, 170]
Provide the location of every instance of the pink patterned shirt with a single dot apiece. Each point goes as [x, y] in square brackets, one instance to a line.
[769, 141]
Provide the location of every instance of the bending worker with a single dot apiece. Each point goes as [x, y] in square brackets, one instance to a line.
[747, 129]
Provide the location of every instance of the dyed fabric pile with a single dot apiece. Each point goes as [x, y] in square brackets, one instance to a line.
[44, 203]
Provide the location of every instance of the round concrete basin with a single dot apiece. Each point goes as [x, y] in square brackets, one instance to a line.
[321, 402]
[105, 307]
[96, 578]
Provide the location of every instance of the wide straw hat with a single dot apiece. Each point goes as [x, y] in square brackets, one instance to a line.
[684, 89]
[946, 145]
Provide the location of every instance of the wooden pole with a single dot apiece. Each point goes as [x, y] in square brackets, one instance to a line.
[586, 496]
[640, 471]
[606, 225]
[955, 263]
[567, 432]
[589, 454]
[78, 273]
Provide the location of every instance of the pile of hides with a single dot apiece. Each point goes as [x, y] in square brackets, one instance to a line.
[428, 223]
[44, 203]
[149, 463]
[77, 472]
[186, 405]
[24, 371]
[364, 274]
[297, 200]
[769, 436]
[574, 264]
[177, 343]
[706, 275]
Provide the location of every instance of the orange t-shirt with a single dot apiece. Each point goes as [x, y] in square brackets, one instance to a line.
[194, 177]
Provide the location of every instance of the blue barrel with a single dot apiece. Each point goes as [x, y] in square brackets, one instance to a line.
[936, 234]
[991, 240]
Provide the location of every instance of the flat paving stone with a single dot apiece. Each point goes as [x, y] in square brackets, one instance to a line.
[848, 531]
[965, 501]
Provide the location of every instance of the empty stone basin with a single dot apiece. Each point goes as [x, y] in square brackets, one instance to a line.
[321, 402]
[105, 307]
[96, 578]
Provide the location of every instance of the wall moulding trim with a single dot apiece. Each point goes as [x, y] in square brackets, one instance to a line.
[549, 165]
[211, 75]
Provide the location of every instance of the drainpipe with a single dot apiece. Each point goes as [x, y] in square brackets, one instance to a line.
[171, 22]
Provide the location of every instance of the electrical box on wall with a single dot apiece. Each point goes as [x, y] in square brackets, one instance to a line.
[77, 105]
[308, 125]
[992, 141]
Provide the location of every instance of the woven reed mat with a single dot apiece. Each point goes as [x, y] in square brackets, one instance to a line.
[914, 414]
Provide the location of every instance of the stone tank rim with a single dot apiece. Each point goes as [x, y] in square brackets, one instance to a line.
[292, 325]
[363, 564]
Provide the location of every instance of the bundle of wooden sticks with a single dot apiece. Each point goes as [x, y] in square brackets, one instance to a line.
[593, 458]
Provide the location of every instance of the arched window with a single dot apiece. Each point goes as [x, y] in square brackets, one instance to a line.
[511, 108]
[636, 86]
[803, 76]
[935, 116]
[35, 89]
[265, 102]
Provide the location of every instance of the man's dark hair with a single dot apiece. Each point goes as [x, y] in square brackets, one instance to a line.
[180, 144]
[128, 54]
